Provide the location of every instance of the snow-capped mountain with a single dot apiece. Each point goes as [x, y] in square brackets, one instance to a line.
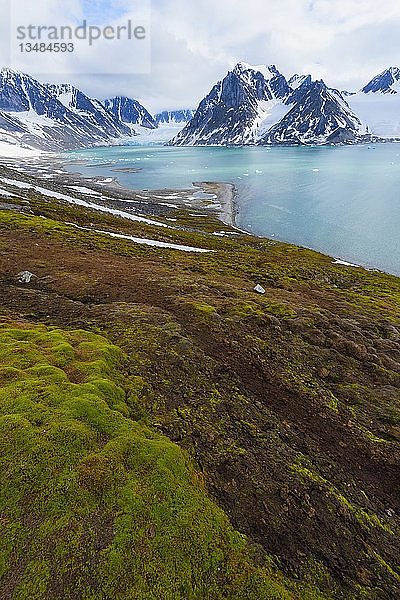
[171, 117]
[91, 109]
[387, 82]
[251, 105]
[130, 112]
[300, 86]
[238, 107]
[53, 117]
[378, 104]
[21, 93]
[319, 115]
[257, 105]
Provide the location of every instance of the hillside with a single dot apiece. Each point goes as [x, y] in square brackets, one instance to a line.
[167, 433]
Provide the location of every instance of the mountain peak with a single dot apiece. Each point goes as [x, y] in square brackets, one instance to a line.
[318, 115]
[320, 84]
[130, 111]
[272, 69]
[297, 80]
[266, 70]
[395, 71]
[62, 88]
[385, 82]
[242, 66]
[20, 92]
[122, 99]
[7, 72]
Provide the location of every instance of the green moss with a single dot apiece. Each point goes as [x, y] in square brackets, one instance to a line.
[281, 311]
[247, 309]
[387, 567]
[202, 307]
[95, 505]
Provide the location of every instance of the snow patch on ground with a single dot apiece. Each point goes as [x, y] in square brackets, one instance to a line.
[345, 264]
[15, 183]
[71, 200]
[145, 241]
[84, 190]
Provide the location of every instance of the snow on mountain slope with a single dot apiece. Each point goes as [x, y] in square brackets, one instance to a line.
[22, 93]
[88, 108]
[378, 104]
[235, 109]
[387, 82]
[33, 115]
[297, 80]
[130, 112]
[11, 133]
[22, 130]
[270, 112]
[258, 105]
[319, 115]
[11, 125]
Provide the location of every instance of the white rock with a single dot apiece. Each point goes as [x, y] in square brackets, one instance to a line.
[25, 277]
[259, 289]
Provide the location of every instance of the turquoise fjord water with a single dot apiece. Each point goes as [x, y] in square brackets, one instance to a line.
[343, 201]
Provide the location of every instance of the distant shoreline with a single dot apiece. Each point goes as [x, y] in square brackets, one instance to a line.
[203, 198]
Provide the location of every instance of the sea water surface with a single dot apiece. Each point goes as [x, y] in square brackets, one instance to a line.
[343, 201]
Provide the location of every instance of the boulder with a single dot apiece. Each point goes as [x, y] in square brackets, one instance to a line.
[259, 289]
[25, 277]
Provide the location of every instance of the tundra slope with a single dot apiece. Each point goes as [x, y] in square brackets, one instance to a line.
[286, 403]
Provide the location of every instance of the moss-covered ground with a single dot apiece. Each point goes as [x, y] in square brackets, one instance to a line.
[168, 433]
[95, 504]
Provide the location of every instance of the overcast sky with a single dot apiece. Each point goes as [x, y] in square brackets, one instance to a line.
[194, 43]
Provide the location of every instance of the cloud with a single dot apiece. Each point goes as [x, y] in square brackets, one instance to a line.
[194, 43]
[342, 40]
